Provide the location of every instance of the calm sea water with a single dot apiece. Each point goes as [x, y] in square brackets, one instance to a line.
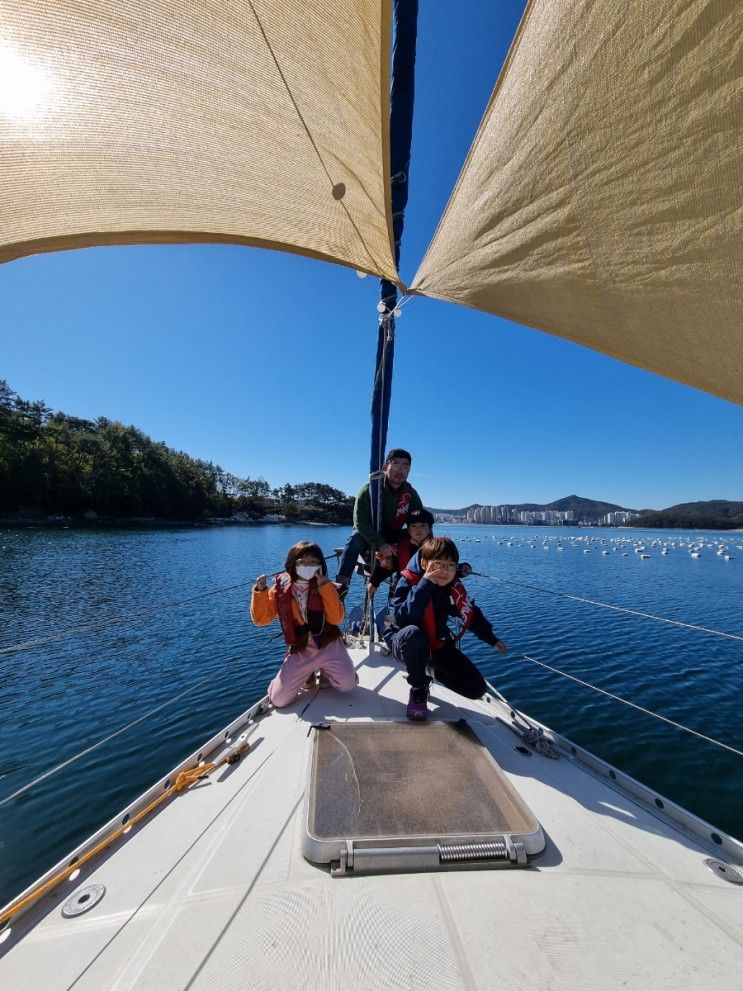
[145, 615]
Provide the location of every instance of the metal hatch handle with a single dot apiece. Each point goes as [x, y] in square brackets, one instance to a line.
[383, 860]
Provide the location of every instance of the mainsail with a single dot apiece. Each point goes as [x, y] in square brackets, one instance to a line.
[602, 198]
[134, 121]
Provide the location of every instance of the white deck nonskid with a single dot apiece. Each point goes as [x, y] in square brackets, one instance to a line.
[213, 890]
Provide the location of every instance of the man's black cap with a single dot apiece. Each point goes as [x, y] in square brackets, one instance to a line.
[398, 452]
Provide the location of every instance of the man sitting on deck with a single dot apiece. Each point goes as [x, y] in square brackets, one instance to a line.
[399, 498]
[427, 595]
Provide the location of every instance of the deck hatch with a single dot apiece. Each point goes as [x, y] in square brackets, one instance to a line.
[401, 796]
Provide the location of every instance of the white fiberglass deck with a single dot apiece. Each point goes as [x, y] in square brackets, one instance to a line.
[213, 892]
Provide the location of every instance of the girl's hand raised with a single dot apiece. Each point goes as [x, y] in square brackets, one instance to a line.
[260, 584]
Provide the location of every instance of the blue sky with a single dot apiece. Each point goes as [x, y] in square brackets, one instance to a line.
[208, 348]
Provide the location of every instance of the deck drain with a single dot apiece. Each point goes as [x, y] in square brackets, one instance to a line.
[724, 871]
[83, 900]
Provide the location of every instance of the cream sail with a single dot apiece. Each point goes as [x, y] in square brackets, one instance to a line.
[264, 123]
[601, 199]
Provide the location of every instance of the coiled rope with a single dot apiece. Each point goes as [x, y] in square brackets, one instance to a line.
[183, 781]
[533, 736]
[607, 605]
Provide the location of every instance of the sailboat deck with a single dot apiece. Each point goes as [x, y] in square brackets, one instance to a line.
[213, 890]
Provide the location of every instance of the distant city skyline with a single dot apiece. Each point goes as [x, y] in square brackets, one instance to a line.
[508, 514]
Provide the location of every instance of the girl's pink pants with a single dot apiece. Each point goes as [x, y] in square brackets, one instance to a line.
[333, 660]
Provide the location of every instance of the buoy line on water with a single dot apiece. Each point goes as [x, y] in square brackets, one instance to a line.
[608, 605]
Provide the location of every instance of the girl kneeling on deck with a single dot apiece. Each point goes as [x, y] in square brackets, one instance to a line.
[309, 610]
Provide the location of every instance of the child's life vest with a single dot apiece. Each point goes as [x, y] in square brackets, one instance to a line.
[297, 635]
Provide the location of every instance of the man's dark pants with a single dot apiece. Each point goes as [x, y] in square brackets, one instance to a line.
[355, 545]
[450, 666]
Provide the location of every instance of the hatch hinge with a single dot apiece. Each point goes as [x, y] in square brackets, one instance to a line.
[502, 852]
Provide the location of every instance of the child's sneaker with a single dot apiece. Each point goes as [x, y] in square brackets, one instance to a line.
[418, 704]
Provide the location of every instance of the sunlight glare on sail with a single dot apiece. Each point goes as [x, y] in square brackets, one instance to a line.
[24, 86]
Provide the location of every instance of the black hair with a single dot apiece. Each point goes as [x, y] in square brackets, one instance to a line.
[439, 549]
[420, 516]
[303, 547]
[398, 452]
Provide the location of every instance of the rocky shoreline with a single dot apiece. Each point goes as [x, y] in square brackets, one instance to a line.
[93, 522]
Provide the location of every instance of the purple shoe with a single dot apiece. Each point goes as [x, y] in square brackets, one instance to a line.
[418, 704]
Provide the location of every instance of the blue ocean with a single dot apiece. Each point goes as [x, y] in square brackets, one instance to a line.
[99, 627]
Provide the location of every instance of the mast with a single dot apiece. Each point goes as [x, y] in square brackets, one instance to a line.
[402, 91]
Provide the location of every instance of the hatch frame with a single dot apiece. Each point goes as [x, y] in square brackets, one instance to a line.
[417, 851]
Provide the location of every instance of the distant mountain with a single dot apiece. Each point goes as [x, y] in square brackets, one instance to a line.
[585, 510]
[717, 514]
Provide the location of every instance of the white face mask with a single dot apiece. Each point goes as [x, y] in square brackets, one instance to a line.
[307, 571]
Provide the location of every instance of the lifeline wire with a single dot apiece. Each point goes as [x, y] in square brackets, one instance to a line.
[90, 627]
[123, 729]
[140, 617]
[104, 624]
[606, 605]
[648, 712]
[99, 743]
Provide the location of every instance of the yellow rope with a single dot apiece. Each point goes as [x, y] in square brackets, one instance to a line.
[182, 781]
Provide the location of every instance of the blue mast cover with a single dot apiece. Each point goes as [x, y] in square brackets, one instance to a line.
[402, 91]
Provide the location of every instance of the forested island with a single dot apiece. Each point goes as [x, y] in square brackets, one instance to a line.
[55, 465]
[717, 514]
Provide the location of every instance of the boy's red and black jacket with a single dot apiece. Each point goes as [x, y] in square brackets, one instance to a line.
[409, 603]
[405, 550]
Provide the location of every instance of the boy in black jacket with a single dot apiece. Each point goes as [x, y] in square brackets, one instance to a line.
[428, 593]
